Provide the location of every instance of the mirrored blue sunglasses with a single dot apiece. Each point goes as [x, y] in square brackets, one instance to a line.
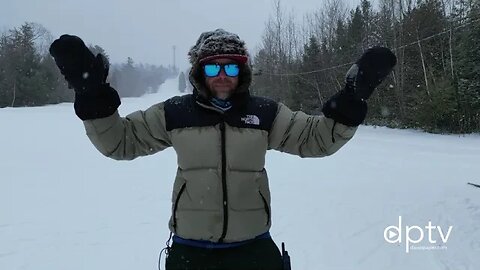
[212, 70]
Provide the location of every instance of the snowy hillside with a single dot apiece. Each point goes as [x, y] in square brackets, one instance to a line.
[65, 206]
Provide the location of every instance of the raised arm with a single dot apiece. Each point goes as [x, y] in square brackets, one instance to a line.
[96, 102]
[307, 135]
[321, 135]
[124, 138]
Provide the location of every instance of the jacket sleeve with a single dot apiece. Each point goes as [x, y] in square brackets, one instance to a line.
[307, 135]
[138, 134]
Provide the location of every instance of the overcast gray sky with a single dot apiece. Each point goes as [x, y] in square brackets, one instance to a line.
[146, 30]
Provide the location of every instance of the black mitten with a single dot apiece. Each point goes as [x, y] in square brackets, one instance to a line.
[86, 74]
[349, 106]
[104, 102]
[346, 108]
[369, 71]
[82, 70]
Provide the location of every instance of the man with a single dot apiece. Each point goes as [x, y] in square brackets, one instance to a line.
[221, 212]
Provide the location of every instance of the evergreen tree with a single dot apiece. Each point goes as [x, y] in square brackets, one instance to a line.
[25, 81]
[468, 73]
[182, 83]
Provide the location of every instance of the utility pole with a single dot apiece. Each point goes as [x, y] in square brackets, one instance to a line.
[174, 65]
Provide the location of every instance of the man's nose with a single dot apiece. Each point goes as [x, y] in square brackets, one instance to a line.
[222, 74]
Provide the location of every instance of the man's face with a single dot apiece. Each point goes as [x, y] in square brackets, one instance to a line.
[221, 86]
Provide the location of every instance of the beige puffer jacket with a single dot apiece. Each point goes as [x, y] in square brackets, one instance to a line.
[221, 191]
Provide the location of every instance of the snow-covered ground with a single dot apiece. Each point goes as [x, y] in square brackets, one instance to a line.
[65, 206]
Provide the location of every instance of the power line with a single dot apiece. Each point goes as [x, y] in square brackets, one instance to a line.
[309, 72]
[435, 35]
[394, 49]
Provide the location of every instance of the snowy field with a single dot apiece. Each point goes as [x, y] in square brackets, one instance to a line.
[65, 206]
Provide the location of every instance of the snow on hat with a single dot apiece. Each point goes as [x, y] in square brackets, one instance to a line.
[218, 44]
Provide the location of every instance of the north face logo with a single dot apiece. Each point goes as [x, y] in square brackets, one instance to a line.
[251, 119]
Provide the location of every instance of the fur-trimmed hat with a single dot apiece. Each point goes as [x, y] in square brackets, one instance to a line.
[218, 44]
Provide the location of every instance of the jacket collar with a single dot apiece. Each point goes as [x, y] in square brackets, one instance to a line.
[239, 100]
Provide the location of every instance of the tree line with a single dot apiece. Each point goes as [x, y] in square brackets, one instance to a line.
[435, 85]
[29, 76]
